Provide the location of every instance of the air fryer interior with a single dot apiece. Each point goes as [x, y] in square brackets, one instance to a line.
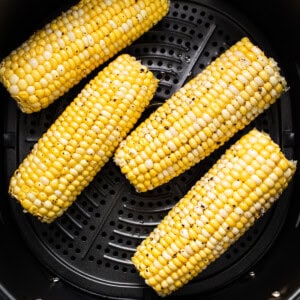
[87, 251]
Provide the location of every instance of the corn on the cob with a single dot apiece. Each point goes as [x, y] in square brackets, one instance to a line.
[58, 56]
[201, 116]
[220, 207]
[68, 156]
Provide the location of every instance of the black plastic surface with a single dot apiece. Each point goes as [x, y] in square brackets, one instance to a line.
[90, 246]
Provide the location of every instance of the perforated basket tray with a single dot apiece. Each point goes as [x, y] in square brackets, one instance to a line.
[90, 246]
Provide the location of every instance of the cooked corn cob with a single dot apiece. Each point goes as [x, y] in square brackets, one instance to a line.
[201, 116]
[68, 156]
[220, 207]
[58, 56]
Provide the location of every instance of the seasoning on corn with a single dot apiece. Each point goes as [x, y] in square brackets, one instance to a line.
[201, 116]
[220, 207]
[58, 56]
[68, 156]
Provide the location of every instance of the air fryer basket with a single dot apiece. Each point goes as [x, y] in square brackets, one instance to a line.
[90, 246]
